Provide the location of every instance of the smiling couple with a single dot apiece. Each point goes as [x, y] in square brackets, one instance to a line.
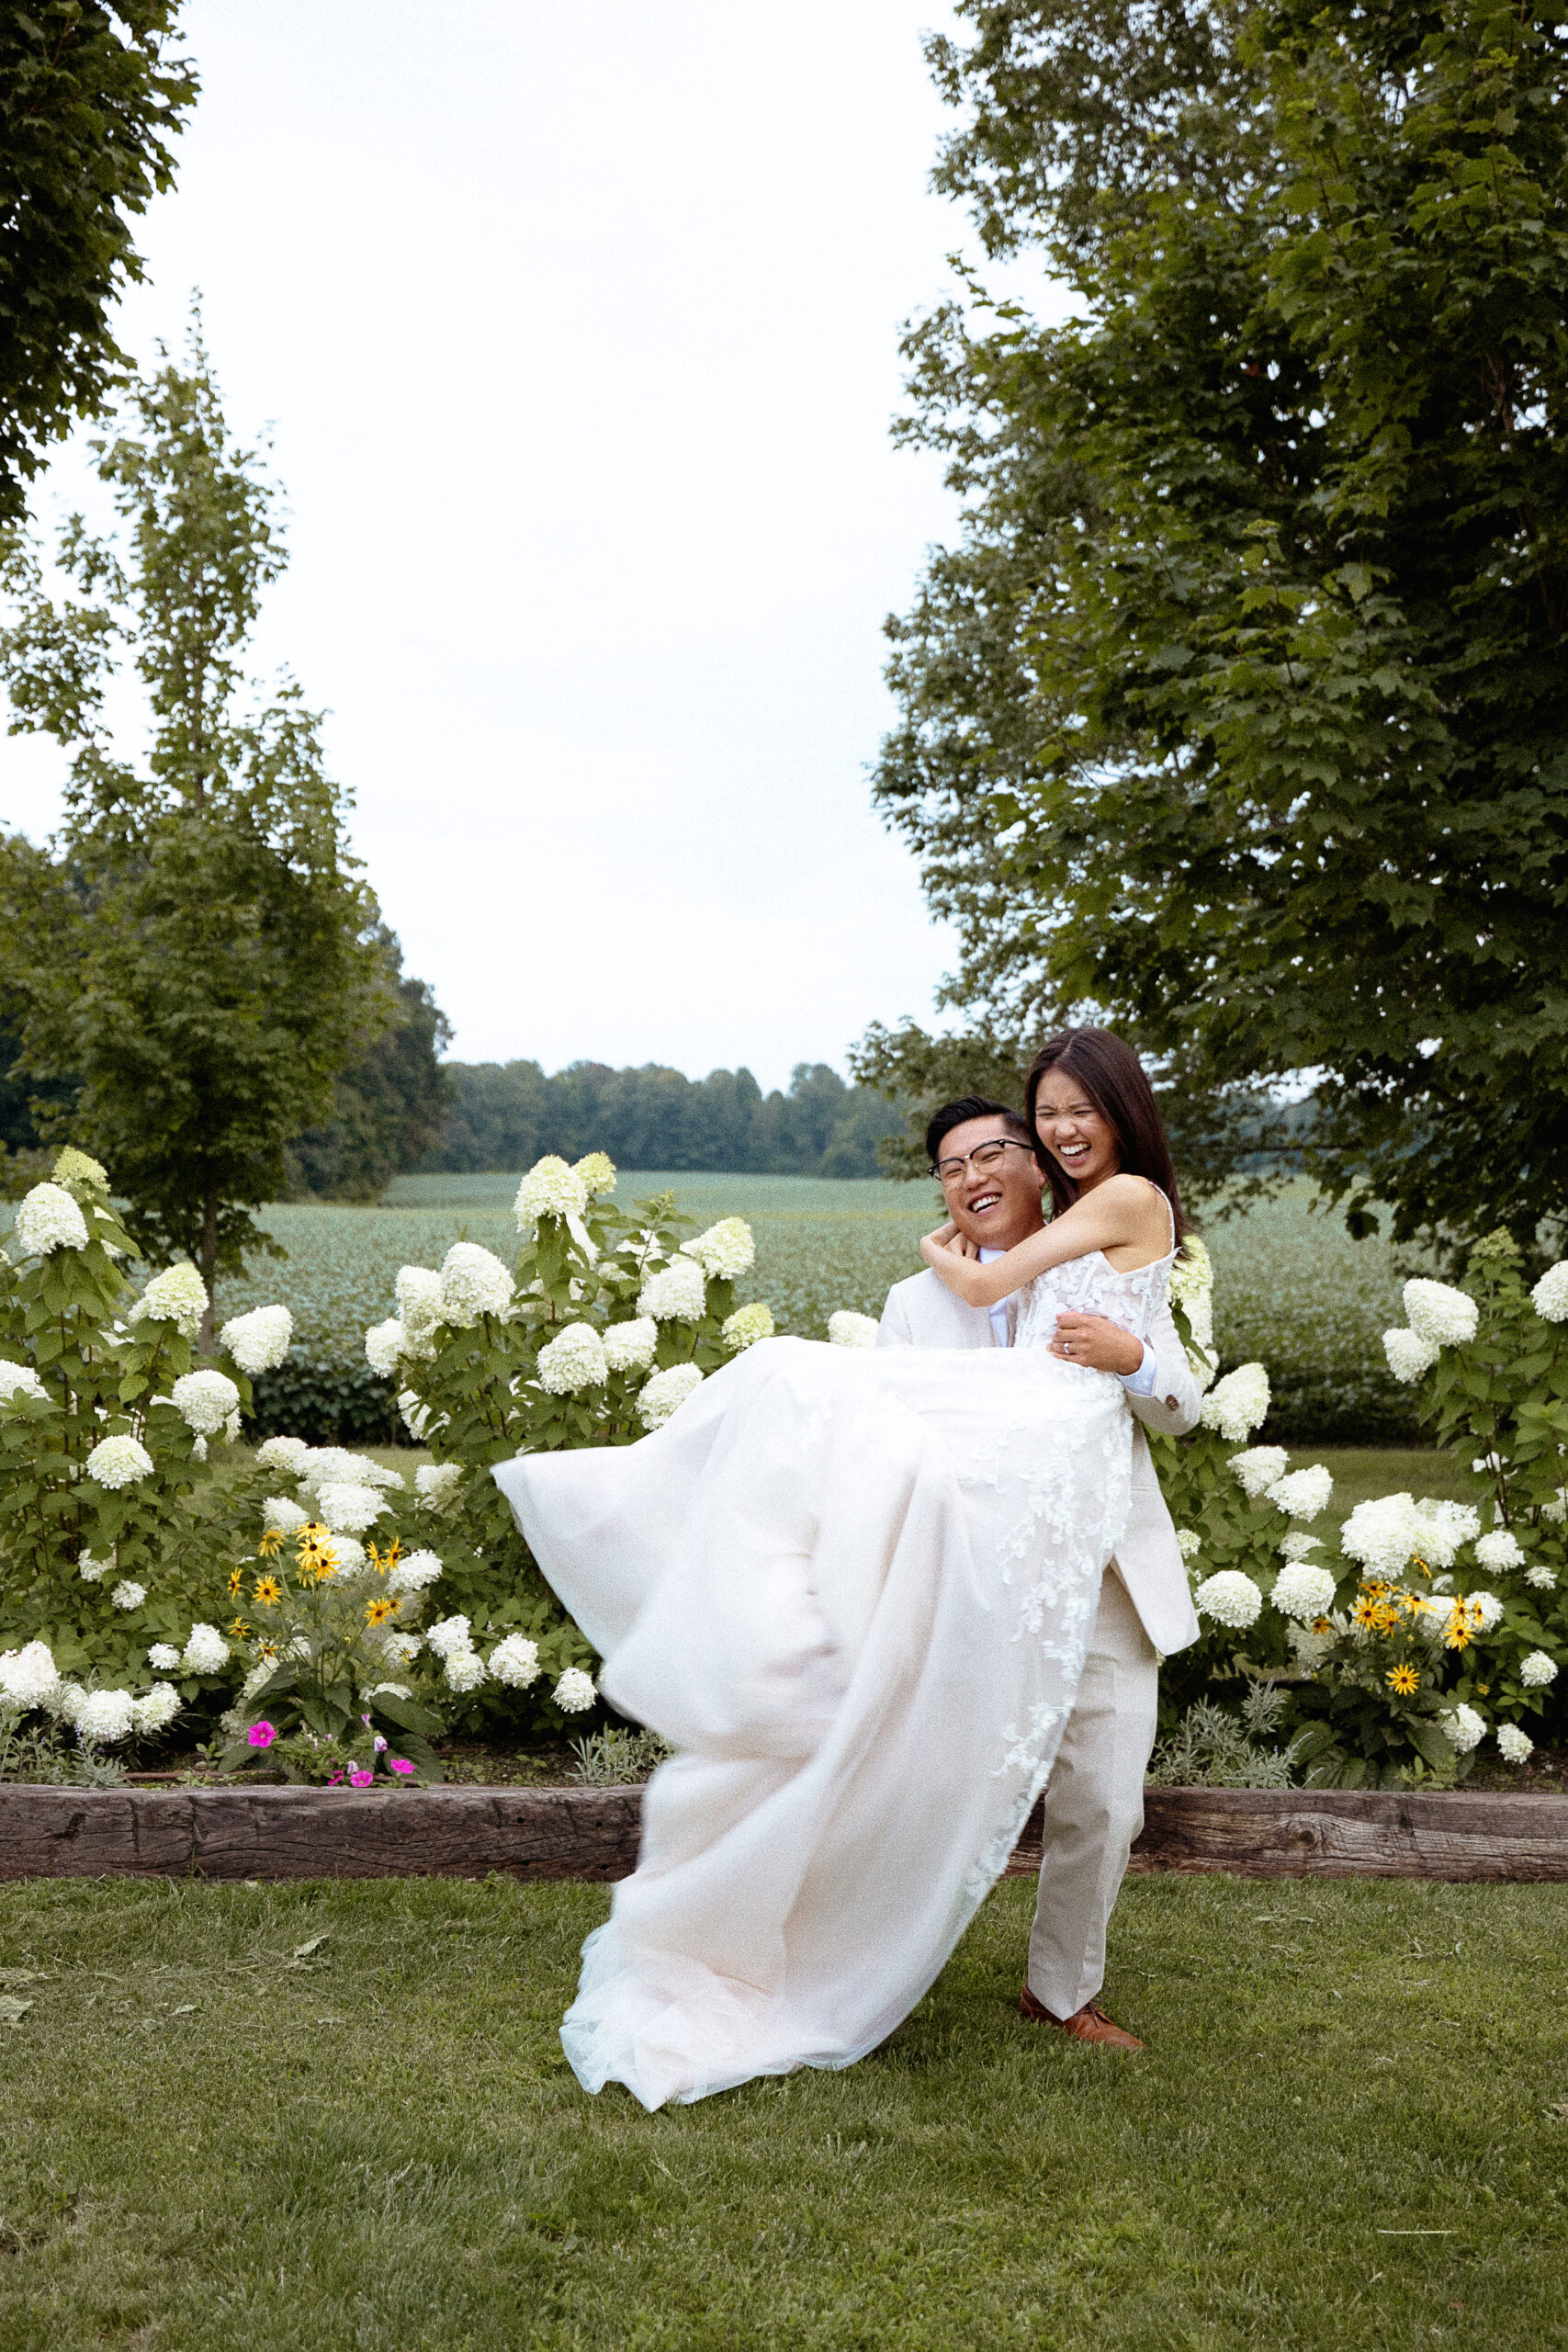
[878, 1601]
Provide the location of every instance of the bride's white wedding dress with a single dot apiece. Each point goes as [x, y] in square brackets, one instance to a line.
[853, 1587]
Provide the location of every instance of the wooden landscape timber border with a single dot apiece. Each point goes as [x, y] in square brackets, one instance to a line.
[592, 1834]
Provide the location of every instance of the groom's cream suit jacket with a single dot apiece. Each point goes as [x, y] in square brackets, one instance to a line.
[923, 1313]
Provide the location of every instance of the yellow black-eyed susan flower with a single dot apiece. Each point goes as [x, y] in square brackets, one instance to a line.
[267, 1591]
[379, 1610]
[271, 1542]
[1404, 1681]
[239, 1630]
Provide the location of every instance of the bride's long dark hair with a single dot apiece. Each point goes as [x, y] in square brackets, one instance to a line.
[1112, 1077]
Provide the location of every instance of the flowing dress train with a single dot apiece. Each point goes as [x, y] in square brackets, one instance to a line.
[854, 1589]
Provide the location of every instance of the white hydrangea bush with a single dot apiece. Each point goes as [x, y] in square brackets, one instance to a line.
[117, 1537]
[598, 1332]
[1488, 1360]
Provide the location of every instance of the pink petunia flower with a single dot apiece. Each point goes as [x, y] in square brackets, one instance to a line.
[361, 1779]
[261, 1734]
[399, 1764]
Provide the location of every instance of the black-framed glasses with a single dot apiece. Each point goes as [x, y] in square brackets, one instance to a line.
[984, 1154]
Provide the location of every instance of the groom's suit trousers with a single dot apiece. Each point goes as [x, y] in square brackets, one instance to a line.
[1094, 1804]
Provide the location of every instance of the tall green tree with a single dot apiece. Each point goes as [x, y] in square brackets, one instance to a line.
[391, 1103]
[1238, 714]
[196, 951]
[90, 99]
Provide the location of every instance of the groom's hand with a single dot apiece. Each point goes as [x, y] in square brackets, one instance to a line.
[1094, 1340]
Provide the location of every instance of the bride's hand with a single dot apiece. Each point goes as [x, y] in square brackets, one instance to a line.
[946, 1242]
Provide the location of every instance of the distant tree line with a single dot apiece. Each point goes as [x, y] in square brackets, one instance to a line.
[506, 1113]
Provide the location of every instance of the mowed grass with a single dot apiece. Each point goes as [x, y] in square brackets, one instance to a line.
[1348, 2132]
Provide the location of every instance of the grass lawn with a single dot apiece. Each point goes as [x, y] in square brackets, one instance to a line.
[1349, 2132]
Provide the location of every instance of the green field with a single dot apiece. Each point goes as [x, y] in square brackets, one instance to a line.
[299, 2118]
[1292, 1288]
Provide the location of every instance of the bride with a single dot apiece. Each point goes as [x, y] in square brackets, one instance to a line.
[854, 1589]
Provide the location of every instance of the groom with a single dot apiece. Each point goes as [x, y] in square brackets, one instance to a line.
[1094, 1798]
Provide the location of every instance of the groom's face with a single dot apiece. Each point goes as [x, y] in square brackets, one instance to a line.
[998, 1206]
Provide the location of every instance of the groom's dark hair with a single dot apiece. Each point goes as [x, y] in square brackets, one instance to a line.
[972, 1106]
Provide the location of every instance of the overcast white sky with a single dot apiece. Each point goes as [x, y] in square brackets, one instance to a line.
[578, 328]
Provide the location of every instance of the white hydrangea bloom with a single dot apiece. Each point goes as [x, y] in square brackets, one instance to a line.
[746, 1326]
[666, 1393]
[439, 1486]
[105, 1716]
[449, 1633]
[157, 1708]
[165, 1658]
[1459, 1522]
[1380, 1535]
[79, 1172]
[384, 1343]
[1543, 1579]
[281, 1452]
[848, 1329]
[1517, 1745]
[391, 1689]
[1296, 1544]
[93, 1571]
[1465, 1729]
[1230, 1597]
[28, 1676]
[515, 1662]
[49, 1219]
[19, 1379]
[473, 1282]
[597, 1171]
[574, 1692]
[1192, 1276]
[119, 1462]
[1188, 1543]
[1260, 1467]
[1549, 1296]
[465, 1669]
[420, 1310]
[550, 1189]
[1485, 1609]
[281, 1517]
[206, 1652]
[415, 1416]
[178, 1295]
[572, 1361]
[1537, 1669]
[1238, 1404]
[204, 1401]
[349, 1511]
[334, 1465]
[725, 1251]
[1303, 1592]
[1438, 1312]
[675, 1294]
[128, 1594]
[629, 1347]
[1409, 1355]
[260, 1340]
[351, 1556]
[1303, 1493]
[1498, 1551]
[398, 1648]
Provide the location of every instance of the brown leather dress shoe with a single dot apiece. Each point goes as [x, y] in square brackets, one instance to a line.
[1088, 2024]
